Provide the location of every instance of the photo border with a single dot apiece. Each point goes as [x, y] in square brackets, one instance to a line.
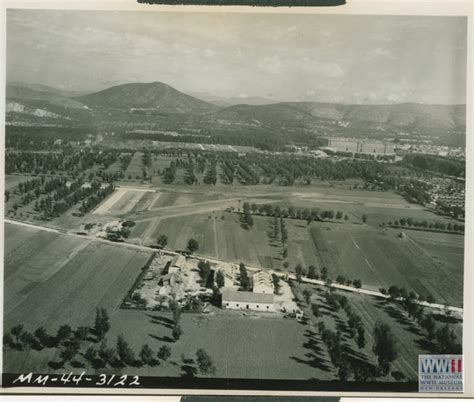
[360, 7]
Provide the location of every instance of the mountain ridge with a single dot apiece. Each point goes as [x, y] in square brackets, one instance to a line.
[153, 95]
[161, 98]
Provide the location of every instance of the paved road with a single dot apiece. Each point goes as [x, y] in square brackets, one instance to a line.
[289, 275]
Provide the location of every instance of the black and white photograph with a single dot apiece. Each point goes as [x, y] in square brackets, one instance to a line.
[217, 199]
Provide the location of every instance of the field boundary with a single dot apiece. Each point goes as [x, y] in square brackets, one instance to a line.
[140, 276]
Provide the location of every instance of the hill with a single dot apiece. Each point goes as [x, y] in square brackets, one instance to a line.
[223, 102]
[165, 108]
[39, 97]
[155, 95]
[69, 93]
[396, 116]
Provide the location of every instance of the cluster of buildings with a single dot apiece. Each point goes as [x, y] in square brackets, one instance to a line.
[360, 146]
[177, 279]
[447, 192]
[259, 299]
[426, 147]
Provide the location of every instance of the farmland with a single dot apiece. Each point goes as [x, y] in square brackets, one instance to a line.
[52, 279]
[48, 275]
[277, 348]
[409, 338]
[380, 258]
[426, 262]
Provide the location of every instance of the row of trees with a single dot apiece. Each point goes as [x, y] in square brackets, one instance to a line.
[71, 342]
[189, 176]
[67, 340]
[384, 345]
[397, 293]
[445, 165]
[417, 191]
[211, 174]
[206, 273]
[169, 173]
[247, 219]
[96, 196]
[444, 338]
[307, 214]
[312, 273]
[285, 170]
[410, 222]
[71, 161]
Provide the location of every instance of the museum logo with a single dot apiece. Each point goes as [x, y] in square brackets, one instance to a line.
[440, 373]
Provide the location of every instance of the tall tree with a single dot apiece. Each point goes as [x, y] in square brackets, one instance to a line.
[312, 272]
[147, 356]
[90, 354]
[177, 332]
[16, 332]
[384, 347]
[193, 245]
[204, 362]
[64, 332]
[220, 281]
[244, 277]
[68, 352]
[360, 337]
[124, 351]
[102, 324]
[164, 353]
[162, 241]
[307, 296]
[42, 336]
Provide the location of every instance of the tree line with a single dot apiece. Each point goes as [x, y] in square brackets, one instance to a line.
[72, 345]
[424, 224]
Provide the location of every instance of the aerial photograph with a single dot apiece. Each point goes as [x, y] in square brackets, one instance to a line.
[232, 199]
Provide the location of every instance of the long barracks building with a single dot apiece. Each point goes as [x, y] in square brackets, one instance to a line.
[361, 146]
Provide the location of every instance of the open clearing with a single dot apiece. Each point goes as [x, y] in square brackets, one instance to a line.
[256, 346]
[93, 274]
[410, 340]
[12, 180]
[428, 263]
[221, 236]
[53, 279]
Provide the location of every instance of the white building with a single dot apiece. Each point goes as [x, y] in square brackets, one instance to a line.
[235, 300]
[262, 282]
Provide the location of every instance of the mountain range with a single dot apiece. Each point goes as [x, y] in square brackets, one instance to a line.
[157, 97]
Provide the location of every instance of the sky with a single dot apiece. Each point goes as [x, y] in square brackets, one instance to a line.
[322, 58]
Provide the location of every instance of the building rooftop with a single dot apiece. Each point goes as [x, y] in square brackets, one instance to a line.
[178, 261]
[231, 295]
[262, 278]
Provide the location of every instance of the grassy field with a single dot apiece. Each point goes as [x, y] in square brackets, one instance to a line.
[53, 279]
[220, 235]
[240, 347]
[410, 339]
[12, 180]
[252, 346]
[135, 168]
[426, 262]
